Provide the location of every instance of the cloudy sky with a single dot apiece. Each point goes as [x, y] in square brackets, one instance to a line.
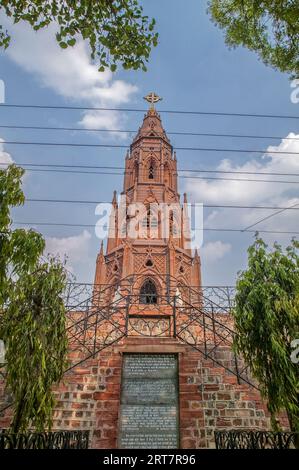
[192, 70]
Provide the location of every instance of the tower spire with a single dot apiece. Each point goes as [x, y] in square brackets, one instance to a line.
[114, 199]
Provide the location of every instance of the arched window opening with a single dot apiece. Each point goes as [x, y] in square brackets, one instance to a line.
[148, 217]
[150, 220]
[151, 170]
[148, 293]
[124, 228]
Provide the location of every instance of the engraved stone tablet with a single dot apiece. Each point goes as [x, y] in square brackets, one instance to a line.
[149, 402]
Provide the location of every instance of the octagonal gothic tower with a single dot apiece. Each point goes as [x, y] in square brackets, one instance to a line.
[149, 236]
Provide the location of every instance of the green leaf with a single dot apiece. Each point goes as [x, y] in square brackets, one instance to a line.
[265, 27]
[123, 32]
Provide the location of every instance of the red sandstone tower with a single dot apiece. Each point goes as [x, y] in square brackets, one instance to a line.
[159, 254]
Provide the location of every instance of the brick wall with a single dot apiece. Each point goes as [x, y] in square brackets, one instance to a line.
[210, 397]
[89, 399]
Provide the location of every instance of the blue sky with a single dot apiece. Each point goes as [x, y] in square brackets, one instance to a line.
[192, 69]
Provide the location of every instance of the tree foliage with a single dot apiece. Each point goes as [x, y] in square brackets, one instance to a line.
[268, 27]
[19, 249]
[35, 341]
[267, 320]
[32, 314]
[117, 31]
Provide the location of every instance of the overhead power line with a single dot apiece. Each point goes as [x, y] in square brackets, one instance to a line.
[138, 110]
[121, 146]
[59, 170]
[224, 206]
[189, 177]
[201, 134]
[239, 179]
[187, 170]
[282, 209]
[204, 229]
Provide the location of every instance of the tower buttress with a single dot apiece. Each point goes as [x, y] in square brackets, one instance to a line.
[196, 270]
[100, 274]
[113, 225]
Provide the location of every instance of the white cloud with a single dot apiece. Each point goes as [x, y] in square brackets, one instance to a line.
[248, 192]
[251, 193]
[74, 248]
[5, 158]
[104, 120]
[213, 251]
[70, 73]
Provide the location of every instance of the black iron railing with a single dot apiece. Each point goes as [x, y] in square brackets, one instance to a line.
[44, 440]
[256, 440]
[99, 316]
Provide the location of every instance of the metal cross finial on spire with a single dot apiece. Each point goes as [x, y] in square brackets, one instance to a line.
[152, 98]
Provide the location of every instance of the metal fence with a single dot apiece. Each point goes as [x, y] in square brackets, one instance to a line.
[101, 315]
[256, 440]
[44, 440]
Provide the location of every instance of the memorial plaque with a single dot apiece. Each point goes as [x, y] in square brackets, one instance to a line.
[149, 410]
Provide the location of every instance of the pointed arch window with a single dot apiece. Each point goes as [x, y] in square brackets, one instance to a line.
[151, 170]
[124, 229]
[148, 293]
[150, 220]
